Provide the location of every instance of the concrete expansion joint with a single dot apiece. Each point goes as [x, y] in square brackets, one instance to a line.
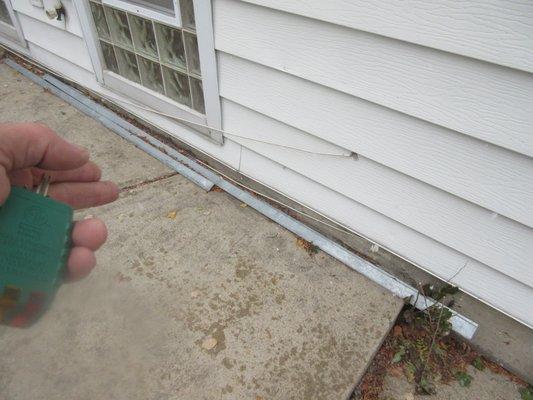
[146, 182]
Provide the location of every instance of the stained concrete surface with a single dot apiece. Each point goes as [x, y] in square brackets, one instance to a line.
[195, 296]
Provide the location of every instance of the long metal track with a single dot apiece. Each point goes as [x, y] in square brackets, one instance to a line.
[460, 324]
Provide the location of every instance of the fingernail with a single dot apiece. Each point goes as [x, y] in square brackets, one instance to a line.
[90, 216]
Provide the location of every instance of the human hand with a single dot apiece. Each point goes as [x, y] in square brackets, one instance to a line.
[30, 151]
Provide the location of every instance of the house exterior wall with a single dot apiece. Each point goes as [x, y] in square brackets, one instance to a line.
[408, 122]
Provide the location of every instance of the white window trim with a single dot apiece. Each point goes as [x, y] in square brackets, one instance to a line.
[12, 33]
[156, 101]
[174, 20]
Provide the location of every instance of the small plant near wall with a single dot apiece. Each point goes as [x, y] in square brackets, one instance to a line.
[422, 345]
[422, 348]
[526, 393]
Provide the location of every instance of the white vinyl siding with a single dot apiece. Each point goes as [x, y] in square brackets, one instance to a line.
[67, 46]
[498, 31]
[488, 175]
[443, 176]
[477, 99]
[71, 24]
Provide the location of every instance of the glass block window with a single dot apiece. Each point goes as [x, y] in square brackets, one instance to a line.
[160, 57]
[4, 13]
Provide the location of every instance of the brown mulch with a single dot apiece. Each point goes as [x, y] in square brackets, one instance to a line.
[371, 384]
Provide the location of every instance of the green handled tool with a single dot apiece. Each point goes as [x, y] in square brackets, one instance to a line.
[35, 242]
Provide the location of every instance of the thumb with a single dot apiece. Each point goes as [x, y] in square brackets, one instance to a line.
[34, 145]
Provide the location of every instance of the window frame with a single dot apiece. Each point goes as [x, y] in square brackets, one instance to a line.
[156, 101]
[146, 12]
[13, 32]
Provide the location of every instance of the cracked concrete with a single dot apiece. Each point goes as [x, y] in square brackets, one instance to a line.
[147, 182]
[195, 296]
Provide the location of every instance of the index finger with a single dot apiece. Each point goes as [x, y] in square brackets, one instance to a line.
[34, 145]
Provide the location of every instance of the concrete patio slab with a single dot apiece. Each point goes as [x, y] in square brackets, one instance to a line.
[195, 297]
[218, 303]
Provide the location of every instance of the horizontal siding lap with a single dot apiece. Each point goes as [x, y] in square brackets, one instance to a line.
[251, 126]
[495, 178]
[481, 281]
[492, 30]
[63, 44]
[71, 23]
[478, 99]
[498, 242]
